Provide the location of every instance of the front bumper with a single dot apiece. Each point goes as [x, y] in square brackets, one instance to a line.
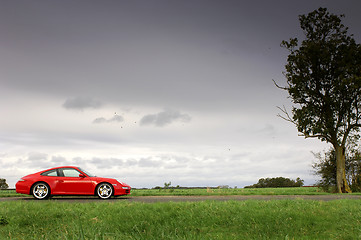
[120, 189]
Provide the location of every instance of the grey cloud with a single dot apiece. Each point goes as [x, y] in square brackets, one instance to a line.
[37, 156]
[180, 159]
[115, 119]
[59, 160]
[144, 162]
[81, 103]
[102, 163]
[164, 118]
[78, 161]
[36, 160]
[268, 129]
[100, 120]
[149, 162]
[131, 162]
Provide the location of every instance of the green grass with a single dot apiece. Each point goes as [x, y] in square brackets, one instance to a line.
[228, 191]
[10, 193]
[210, 192]
[282, 219]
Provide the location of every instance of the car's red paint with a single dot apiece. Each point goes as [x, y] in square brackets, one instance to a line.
[69, 180]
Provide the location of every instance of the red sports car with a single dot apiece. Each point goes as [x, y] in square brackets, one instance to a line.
[69, 181]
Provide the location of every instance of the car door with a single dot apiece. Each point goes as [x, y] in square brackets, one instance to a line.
[70, 183]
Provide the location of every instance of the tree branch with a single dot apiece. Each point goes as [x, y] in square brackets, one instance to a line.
[278, 86]
[347, 132]
[287, 116]
[315, 136]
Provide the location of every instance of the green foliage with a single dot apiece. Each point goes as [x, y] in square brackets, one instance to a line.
[167, 185]
[277, 182]
[326, 169]
[3, 184]
[324, 78]
[280, 219]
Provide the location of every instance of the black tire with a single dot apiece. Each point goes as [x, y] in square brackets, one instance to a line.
[40, 191]
[104, 190]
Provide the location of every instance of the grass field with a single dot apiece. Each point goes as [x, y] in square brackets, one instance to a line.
[229, 191]
[281, 219]
[9, 193]
[203, 192]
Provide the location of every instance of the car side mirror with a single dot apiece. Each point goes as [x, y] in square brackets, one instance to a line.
[81, 175]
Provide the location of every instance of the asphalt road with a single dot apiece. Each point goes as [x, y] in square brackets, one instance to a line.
[153, 199]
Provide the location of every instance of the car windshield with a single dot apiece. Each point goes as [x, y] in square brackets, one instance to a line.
[87, 173]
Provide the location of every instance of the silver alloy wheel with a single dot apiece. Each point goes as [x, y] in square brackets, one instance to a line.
[104, 190]
[41, 191]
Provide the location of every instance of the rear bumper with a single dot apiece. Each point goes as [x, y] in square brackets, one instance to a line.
[22, 187]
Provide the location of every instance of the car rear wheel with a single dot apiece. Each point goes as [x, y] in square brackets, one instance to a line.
[104, 190]
[41, 191]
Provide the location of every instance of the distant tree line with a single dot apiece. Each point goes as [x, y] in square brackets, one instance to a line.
[277, 182]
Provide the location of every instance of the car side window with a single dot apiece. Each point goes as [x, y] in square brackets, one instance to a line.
[51, 173]
[70, 172]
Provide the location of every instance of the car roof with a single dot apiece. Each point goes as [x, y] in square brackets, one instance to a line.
[57, 168]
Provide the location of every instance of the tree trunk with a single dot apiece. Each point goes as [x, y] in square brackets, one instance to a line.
[342, 185]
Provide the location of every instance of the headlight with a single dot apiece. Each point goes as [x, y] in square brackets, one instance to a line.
[125, 187]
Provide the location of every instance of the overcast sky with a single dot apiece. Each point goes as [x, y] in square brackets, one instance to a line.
[153, 91]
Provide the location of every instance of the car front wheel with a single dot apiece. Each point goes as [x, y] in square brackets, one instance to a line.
[104, 190]
[41, 191]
